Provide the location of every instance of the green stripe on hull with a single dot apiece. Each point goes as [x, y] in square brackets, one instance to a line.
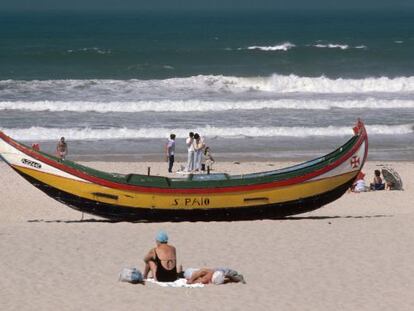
[213, 180]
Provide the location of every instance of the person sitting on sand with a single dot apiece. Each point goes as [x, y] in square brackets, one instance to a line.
[390, 185]
[359, 183]
[161, 260]
[62, 148]
[377, 183]
[212, 276]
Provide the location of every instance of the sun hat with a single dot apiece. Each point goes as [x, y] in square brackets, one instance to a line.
[217, 278]
[161, 237]
[360, 175]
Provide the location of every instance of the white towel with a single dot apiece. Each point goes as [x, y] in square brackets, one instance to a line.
[177, 283]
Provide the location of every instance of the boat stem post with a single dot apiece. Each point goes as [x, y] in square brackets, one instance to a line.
[149, 170]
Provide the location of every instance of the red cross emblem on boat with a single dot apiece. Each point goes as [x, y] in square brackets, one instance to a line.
[355, 161]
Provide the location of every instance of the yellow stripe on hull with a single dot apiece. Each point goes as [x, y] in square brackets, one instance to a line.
[189, 201]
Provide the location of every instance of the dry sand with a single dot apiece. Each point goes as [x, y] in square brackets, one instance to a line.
[354, 254]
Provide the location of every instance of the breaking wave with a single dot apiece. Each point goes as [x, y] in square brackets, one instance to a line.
[338, 46]
[201, 86]
[281, 47]
[287, 46]
[89, 50]
[203, 106]
[42, 133]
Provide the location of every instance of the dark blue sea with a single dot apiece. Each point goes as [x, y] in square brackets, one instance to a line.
[255, 84]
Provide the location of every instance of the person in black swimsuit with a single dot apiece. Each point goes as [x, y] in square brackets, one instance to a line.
[161, 260]
[162, 274]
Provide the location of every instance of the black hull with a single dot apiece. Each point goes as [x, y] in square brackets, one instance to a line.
[121, 213]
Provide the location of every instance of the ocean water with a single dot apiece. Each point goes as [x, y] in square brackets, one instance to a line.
[262, 85]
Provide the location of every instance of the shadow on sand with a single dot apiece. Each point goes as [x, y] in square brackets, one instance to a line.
[92, 220]
[334, 217]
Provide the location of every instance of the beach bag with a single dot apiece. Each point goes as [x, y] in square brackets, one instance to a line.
[131, 275]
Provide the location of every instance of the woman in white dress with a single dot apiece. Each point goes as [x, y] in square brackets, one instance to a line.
[198, 144]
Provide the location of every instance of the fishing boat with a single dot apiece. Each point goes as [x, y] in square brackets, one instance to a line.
[197, 197]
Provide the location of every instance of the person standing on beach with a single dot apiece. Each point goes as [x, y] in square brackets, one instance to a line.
[208, 158]
[170, 151]
[198, 151]
[62, 148]
[190, 156]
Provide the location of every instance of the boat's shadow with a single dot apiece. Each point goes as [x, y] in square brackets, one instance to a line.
[333, 217]
[90, 220]
[296, 218]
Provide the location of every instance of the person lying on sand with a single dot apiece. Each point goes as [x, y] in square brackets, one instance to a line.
[212, 276]
[161, 260]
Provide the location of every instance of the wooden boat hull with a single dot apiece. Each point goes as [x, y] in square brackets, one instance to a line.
[276, 194]
[122, 213]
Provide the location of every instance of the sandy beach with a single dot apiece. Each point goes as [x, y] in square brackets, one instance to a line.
[353, 254]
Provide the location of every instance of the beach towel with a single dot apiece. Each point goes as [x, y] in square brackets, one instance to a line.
[177, 283]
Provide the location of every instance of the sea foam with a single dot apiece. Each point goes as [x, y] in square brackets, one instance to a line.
[194, 87]
[203, 106]
[89, 50]
[280, 47]
[42, 133]
[332, 46]
[338, 46]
